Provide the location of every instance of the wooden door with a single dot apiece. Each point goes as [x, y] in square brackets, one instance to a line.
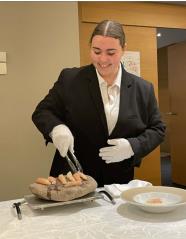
[164, 96]
[142, 39]
[177, 84]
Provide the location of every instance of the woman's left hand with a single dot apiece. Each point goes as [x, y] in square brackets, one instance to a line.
[119, 151]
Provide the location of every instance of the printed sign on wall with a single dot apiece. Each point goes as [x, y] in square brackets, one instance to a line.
[131, 62]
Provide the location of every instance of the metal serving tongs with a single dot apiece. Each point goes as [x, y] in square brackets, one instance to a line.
[75, 166]
[73, 162]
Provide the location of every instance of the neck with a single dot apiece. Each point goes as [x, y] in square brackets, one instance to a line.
[111, 78]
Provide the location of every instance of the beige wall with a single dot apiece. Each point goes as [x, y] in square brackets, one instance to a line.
[40, 39]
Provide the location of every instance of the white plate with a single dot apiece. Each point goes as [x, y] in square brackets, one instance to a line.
[155, 199]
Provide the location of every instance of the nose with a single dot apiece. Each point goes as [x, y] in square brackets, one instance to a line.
[103, 58]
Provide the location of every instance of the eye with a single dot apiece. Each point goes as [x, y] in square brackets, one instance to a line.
[111, 53]
[97, 52]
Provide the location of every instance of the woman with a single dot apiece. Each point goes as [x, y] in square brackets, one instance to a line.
[107, 116]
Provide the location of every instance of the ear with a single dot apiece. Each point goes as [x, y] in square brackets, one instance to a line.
[125, 47]
[123, 50]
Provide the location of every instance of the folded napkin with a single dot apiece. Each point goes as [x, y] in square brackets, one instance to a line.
[116, 189]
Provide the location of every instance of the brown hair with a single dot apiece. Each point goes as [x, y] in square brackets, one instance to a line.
[110, 29]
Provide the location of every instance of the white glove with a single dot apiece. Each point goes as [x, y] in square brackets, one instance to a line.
[120, 151]
[62, 139]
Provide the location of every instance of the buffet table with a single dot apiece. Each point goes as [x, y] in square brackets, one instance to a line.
[91, 220]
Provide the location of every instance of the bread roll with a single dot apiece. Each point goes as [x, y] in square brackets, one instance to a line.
[52, 180]
[62, 179]
[70, 177]
[43, 181]
[75, 183]
[82, 175]
[77, 177]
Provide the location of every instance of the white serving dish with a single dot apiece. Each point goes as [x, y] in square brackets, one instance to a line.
[155, 199]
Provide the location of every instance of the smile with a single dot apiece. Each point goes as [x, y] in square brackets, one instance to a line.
[104, 66]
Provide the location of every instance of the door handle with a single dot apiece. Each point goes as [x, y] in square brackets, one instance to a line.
[171, 113]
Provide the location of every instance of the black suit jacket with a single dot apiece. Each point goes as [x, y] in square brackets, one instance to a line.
[75, 100]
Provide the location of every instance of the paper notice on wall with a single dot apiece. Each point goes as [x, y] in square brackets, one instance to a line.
[3, 69]
[131, 62]
[2, 56]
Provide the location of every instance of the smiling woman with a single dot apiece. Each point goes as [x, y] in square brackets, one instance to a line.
[108, 116]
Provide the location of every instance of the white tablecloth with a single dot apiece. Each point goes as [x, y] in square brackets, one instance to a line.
[91, 220]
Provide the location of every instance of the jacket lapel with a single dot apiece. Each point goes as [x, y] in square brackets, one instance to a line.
[97, 98]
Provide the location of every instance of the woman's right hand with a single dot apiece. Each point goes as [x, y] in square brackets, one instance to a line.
[62, 139]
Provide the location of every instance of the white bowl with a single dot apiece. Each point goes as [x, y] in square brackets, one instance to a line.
[155, 199]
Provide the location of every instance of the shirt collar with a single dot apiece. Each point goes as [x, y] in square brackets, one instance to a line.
[116, 82]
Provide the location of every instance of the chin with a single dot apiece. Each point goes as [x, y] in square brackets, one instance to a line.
[104, 71]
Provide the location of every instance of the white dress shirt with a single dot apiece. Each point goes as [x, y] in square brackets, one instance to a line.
[111, 98]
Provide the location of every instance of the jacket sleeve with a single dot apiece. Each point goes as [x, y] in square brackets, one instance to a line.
[154, 133]
[50, 111]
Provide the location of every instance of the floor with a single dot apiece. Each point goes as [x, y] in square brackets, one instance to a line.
[166, 172]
